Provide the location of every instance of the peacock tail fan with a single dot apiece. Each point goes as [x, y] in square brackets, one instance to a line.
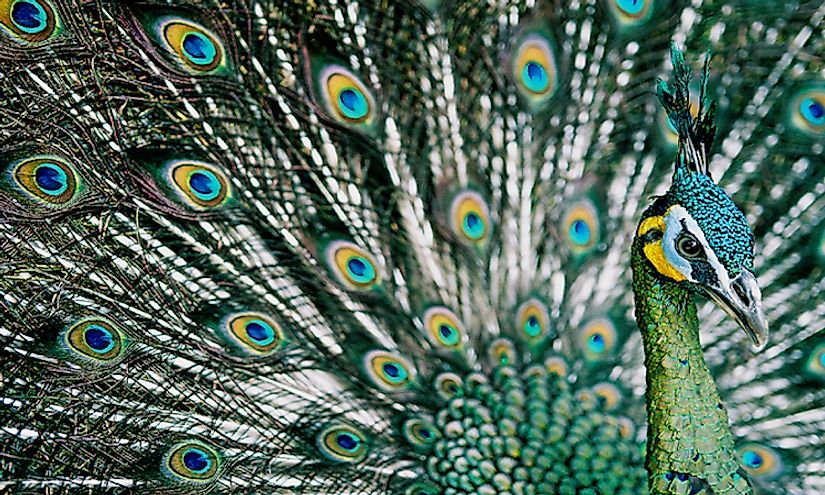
[375, 247]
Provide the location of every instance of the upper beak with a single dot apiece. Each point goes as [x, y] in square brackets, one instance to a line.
[743, 301]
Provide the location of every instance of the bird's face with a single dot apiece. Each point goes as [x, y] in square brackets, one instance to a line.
[696, 236]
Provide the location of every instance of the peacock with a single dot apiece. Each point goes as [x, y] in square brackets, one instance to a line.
[459, 247]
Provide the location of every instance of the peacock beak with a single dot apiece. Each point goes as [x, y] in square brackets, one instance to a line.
[743, 302]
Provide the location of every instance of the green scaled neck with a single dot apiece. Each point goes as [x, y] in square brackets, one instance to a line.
[690, 445]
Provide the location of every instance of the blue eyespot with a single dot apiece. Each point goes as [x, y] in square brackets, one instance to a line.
[205, 185]
[596, 343]
[360, 269]
[99, 339]
[631, 7]
[813, 111]
[752, 459]
[473, 226]
[94, 341]
[353, 104]
[192, 461]
[347, 441]
[196, 460]
[443, 327]
[260, 331]
[532, 326]
[534, 77]
[580, 232]
[51, 179]
[198, 48]
[29, 16]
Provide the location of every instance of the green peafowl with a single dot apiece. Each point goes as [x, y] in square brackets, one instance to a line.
[447, 247]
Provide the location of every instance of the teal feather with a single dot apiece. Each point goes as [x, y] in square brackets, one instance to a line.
[384, 247]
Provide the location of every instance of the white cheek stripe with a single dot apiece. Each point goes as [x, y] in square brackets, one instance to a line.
[673, 226]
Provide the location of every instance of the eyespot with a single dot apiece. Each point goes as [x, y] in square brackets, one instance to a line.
[192, 461]
[816, 362]
[502, 352]
[193, 46]
[607, 395]
[201, 185]
[597, 339]
[631, 12]
[688, 247]
[48, 179]
[581, 227]
[94, 340]
[759, 461]
[448, 385]
[422, 488]
[342, 443]
[626, 427]
[352, 266]
[345, 97]
[389, 371]
[29, 20]
[535, 69]
[533, 321]
[809, 111]
[557, 365]
[470, 218]
[420, 433]
[444, 328]
[254, 333]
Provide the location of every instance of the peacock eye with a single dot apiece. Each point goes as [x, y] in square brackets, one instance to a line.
[688, 246]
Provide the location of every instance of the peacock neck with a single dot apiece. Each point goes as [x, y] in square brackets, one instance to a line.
[689, 440]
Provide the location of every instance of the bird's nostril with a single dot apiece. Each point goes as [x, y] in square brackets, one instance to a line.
[742, 293]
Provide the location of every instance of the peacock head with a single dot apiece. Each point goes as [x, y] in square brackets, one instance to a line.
[696, 236]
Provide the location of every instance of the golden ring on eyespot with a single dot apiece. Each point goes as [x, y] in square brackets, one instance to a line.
[255, 331]
[352, 265]
[501, 351]
[201, 184]
[608, 395]
[760, 461]
[471, 217]
[556, 365]
[193, 45]
[448, 385]
[420, 433]
[30, 20]
[47, 178]
[389, 371]
[192, 461]
[581, 226]
[534, 67]
[444, 328]
[342, 443]
[346, 97]
[95, 339]
[533, 320]
[597, 339]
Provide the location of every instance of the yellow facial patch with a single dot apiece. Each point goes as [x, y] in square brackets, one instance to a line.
[654, 251]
